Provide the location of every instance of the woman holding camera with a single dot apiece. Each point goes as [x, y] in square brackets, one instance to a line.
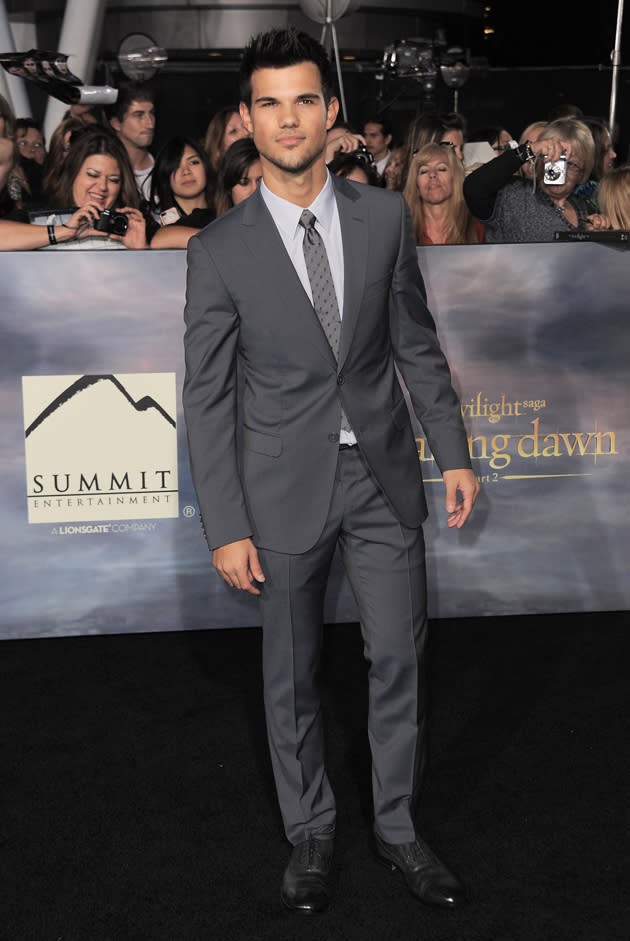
[94, 201]
[515, 209]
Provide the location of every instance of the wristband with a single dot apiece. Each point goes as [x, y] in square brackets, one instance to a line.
[52, 238]
[525, 153]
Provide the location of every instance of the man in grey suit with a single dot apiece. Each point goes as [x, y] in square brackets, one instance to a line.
[310, 291]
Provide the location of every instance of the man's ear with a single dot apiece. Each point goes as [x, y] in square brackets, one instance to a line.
[115, 123]
[388, 140]
[331, 112]
[246, 117]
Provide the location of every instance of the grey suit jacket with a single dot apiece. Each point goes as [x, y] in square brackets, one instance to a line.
[263, 466]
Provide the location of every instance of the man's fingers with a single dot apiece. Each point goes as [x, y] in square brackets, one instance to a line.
[237, 564]
[467, 484]
[255, 569]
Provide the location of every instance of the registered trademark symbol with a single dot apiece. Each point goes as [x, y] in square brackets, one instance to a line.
[189, 511]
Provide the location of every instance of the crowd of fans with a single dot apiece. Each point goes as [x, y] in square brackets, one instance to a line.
[99, 184]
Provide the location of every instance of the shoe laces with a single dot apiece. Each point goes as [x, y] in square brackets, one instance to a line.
[419, 853]
[310, 854]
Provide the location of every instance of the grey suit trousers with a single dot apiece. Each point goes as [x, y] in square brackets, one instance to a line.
[385, 565]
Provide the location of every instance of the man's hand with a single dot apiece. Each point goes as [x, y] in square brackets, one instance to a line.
[340, 140]
[465, 481]
[237, 564]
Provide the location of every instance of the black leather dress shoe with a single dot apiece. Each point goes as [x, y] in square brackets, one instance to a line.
[427, 878]
[306, 887]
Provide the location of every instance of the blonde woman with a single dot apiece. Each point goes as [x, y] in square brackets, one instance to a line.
[613, 196]
[434, 192]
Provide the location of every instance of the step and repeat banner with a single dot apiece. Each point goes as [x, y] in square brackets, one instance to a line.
[98, 520]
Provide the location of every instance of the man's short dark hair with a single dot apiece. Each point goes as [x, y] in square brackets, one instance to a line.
[128, 93]
[383, 122]
[278, 49]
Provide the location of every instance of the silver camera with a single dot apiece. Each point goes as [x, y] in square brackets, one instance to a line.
[556, 171]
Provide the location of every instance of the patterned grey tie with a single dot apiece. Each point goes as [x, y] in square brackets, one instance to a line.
[322, 287]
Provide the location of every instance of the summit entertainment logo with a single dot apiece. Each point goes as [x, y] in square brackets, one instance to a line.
[100, 447]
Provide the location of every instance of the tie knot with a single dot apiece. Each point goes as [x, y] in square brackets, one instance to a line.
[307, 219]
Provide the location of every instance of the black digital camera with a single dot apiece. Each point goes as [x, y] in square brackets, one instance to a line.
[362, 153]
[112, 222]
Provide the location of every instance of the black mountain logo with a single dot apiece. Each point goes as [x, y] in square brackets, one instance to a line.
[142, 405]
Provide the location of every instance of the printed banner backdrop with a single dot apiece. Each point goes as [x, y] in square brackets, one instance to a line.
[99, 523]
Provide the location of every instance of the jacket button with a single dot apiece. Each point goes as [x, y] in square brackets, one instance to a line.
[333, 438]
[340, 379]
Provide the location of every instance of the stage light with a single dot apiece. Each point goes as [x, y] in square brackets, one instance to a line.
[423, 60]
[140, 57]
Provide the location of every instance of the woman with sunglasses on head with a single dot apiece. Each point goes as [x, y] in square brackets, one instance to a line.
[434, 193]
[183, 189]
[430, 128]
[515, 209]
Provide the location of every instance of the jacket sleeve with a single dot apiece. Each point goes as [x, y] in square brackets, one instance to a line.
[210, 399]
[420, 359]
[482, 185]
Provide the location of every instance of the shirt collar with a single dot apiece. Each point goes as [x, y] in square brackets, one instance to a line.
[286, 215]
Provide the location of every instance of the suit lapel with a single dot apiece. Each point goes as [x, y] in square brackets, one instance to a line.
[354, 235]
[265, 243]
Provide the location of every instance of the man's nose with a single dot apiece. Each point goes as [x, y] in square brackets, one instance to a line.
[289, 116]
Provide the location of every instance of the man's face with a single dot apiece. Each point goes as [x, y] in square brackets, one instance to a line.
[137, 126]
[288, 117]
[375, 140]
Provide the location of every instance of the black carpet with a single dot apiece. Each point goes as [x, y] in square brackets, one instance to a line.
[138, 801]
